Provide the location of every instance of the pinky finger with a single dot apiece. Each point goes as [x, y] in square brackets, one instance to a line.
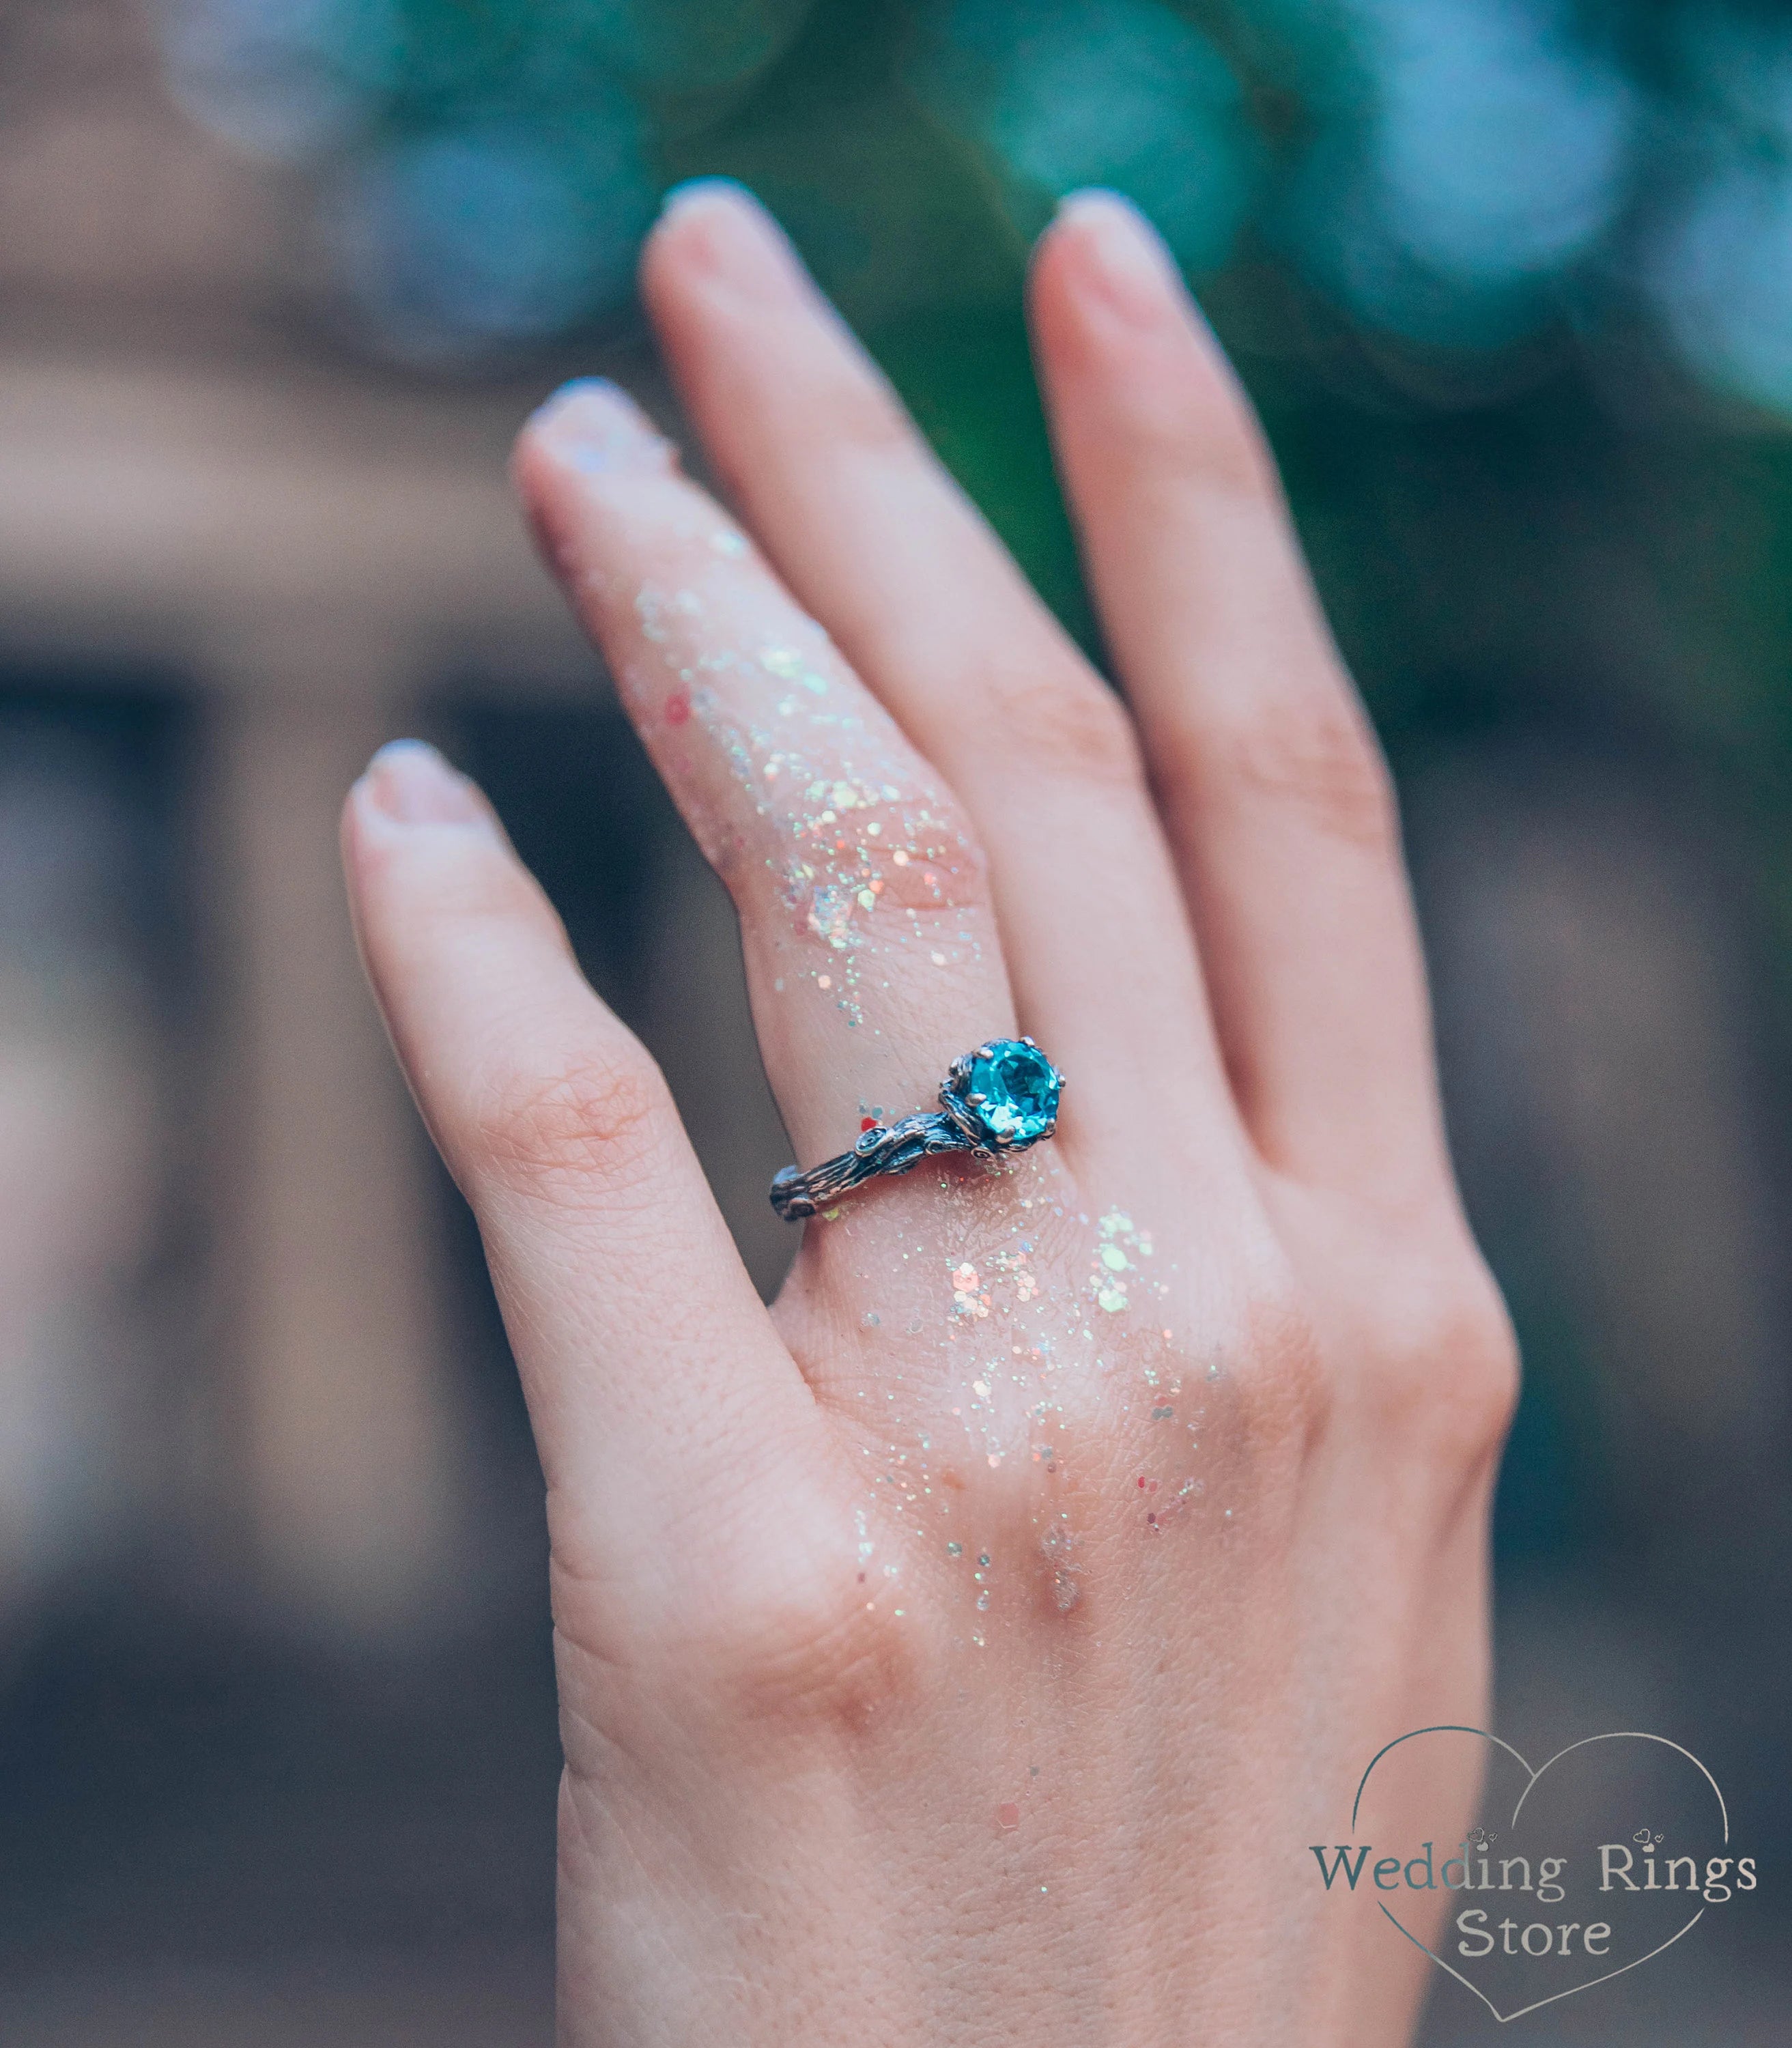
[1273, 789]
[649, 1365]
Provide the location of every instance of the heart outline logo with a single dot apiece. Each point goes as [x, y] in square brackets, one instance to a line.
[1531, 1778]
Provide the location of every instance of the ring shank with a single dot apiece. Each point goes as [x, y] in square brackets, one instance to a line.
[886, 1148]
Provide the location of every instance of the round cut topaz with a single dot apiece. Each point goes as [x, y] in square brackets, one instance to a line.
[1009, 1090]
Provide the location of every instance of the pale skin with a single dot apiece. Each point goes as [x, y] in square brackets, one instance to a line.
[965, 1649]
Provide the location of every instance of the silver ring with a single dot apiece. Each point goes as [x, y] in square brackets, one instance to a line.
[1002, 1098]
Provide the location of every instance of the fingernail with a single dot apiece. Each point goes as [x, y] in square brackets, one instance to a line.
[411, 783]
[593, 424]
[1127, 257]
[737, 241]
[688, 189]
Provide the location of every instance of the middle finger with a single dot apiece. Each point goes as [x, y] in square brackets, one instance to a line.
[924, 600]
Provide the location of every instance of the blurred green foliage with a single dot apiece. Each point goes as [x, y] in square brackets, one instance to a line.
[1510, 280]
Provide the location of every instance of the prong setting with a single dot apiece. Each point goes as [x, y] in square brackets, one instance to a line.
[1002, 1098]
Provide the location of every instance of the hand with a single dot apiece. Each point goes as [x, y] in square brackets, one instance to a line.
[967, 1649]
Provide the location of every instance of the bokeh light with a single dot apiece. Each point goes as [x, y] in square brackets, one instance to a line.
[1474, 153]
[1722, 276]
[673, 46]
[457, 245]
[1121, 93]
[1452, 177]
[1720, 267]
[290, 82]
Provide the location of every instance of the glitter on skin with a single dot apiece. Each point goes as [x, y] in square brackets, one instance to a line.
[978, 1303]
[840, 816]
[1118, 1252]
[1005, 1415]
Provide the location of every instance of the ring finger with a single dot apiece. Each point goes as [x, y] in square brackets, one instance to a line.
[870, 946]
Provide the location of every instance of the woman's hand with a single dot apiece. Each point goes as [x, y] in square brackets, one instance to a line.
[968, 1648]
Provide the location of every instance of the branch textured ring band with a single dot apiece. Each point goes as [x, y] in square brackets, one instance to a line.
[1002, 1098]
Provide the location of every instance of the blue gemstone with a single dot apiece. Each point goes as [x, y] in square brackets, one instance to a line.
[1019, 1090]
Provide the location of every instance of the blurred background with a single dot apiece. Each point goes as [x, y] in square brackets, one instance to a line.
[1511, 281]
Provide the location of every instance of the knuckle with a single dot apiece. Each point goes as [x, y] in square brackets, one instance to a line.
[780, 1617]
[1283, 1405]
[552, 1131]
[864, 415]
[1267, 1388]
[817, 1648]
[1263, 1415]
[1313, 754]
[1448, 1374]
[1067, 723]
[1481, 1357]
[838, 1661]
